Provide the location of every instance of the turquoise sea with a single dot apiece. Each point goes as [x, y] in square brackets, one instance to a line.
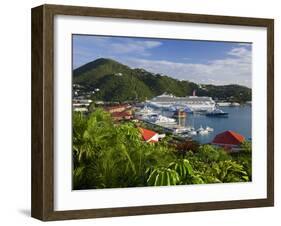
[239, 120]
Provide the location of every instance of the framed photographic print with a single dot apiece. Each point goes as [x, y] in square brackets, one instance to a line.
[141, 112]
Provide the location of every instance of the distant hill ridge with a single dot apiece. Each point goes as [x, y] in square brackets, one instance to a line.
[118, 82]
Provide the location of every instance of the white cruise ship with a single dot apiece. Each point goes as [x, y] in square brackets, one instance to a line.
[195, 103]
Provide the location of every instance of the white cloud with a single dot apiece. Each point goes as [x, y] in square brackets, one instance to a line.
[240, 52]
[88, 48]
[244, 44]
[235, 69]
[136, 47]
[89, 45]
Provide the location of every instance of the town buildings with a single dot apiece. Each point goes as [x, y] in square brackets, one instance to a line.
[120, 112]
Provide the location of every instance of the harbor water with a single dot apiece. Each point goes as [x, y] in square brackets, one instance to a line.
[239, 120]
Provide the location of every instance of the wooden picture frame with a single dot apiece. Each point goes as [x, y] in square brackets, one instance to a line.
[43, 112]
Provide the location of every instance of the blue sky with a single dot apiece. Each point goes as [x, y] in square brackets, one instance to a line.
[203, 62]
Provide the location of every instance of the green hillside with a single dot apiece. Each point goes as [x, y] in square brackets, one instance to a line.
[118, 82]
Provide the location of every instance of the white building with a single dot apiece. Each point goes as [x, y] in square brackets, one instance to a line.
[81, 105]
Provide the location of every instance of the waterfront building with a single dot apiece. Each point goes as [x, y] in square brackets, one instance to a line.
[81, 105]
[150, 136]
[229, 140]
[80, 109]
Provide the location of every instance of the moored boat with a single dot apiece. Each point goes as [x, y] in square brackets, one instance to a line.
[160, 119]
[217, 113]
[200, 129]
[145, 112]
[223, 104]
[203, 132]
[184, 135]
[192, 133]
[209, 129]
[181, 130]
[234, 104]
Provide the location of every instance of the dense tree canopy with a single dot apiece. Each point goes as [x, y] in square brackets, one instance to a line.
[108, 155]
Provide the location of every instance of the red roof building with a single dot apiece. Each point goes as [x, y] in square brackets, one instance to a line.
[149, 135]
[117, 108]
[124, 115]
[229, 140]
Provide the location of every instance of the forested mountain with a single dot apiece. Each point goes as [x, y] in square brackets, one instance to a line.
[118, 82]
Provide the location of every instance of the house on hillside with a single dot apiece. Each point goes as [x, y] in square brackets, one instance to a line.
[120, 112]
[119, 116]
[117, 108]
[150, 136]
[81, 104]
[229, 140]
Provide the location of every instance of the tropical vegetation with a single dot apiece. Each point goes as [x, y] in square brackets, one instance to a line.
[109, 155]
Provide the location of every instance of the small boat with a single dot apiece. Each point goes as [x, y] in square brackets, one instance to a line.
[200, 129]
[203, 132]
[187, 110]
[184, 135]
[200, 111]
[150, 117]
[234, 104]
[172, 109]
[217, 113]
[209, 129]
[223, 104]
[145, 112]
[190, 128]
[181, 130]
[192, 133]
[160, 119]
